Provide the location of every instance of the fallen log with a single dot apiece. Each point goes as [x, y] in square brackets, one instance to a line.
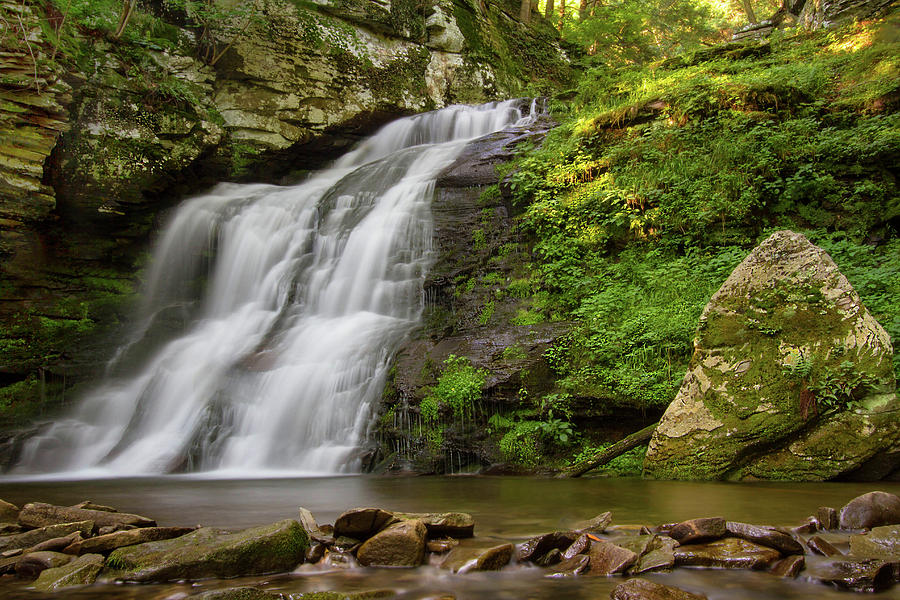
[607, 454]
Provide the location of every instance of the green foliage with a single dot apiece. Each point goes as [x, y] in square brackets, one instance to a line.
[629, 464]
[458, 389]
[838, 388]
[486, 313]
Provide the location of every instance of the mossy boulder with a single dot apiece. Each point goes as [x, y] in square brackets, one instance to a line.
[791, 378]
[81, 571]
[208, 552]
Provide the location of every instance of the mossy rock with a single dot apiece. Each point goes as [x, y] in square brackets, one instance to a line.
[791, 377]
[208, 552]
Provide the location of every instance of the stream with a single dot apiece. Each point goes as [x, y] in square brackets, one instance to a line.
[505, 509]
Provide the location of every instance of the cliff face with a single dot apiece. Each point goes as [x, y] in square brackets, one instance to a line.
[100, 135]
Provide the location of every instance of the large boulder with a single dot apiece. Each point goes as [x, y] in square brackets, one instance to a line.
[399, 545]
[873, 509]
[791, 377]
[103, 544]
[207, 552]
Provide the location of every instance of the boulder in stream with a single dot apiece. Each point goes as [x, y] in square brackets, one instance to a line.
[791, 378]
[464, 559]
[399, 545]
[873, 509]
[9, 513]
[211, 553]
[609, 559]
[32, 564]
[39, 514]
[104, 544]
[80, 571]
[362, 523]
[642, 589]
[728, 553]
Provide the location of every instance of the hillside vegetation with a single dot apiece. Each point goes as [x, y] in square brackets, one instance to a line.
[662, 177]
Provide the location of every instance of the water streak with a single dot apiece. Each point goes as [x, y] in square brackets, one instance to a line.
[271, 314]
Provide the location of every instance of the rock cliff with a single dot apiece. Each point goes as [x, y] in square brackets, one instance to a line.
[791, 378]
[99, 135]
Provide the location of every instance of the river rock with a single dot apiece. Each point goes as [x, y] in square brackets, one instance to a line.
[538, 546]
[765, 536]
[609, 559]
[790, 566]
[871, 510]
[42, 534]
[731, 553]
[207, 552]
[239, 593]
[880, 542]
[399, 545]
[9, 513]
[581, 545]
[827, 518]
[570, 567]
[57, 544]
[642, 589]
[464, 559]
[596, 525]
[659, 555]
[782, 321]
[104, 544]
[452, 524]
[362, 523]
[870, 575]
[699, 530]
[92, 506]
[80, 571]
[10, 529]
[38, 514]
[441, 546]
[30, 565]
[822, 547]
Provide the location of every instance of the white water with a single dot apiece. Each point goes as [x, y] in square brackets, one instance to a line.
[292, 301]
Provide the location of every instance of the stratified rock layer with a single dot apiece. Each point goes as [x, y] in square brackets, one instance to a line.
[791, 378]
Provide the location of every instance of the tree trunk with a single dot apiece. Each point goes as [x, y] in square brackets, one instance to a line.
[607, 454]
[548, 12]
[525, 11]
[127, 9]
[748, 8]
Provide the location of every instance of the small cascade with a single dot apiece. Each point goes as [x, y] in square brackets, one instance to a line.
[271, 314]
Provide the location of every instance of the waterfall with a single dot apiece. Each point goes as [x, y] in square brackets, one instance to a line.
[271, 314]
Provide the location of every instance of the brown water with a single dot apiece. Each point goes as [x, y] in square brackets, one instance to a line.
[508, 508]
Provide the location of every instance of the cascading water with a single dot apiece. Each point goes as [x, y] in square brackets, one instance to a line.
[292, 299]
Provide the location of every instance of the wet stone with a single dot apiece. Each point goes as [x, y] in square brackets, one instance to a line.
[789, 566]
[871, 575]
[874, 509]
[399, 545]
[642, 589]
[10, 528]
[30, 565]
[571, 566]
[609, 559]
[765, 536]
[538, 546]
[42, 534]
[698, 530]
[441, 546]
[87, 504]
[660, 555]
[57, 544]
[240, 593]
[104, 544]
[315, 553]
[465, 559]
[827, 518]
[596, 525]
[880, 542]
[731, 553]
[362, 523]
[549, 559]
[821, 547]
[636, 543]
[452, 524]
[811, 526]
[581, 545]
